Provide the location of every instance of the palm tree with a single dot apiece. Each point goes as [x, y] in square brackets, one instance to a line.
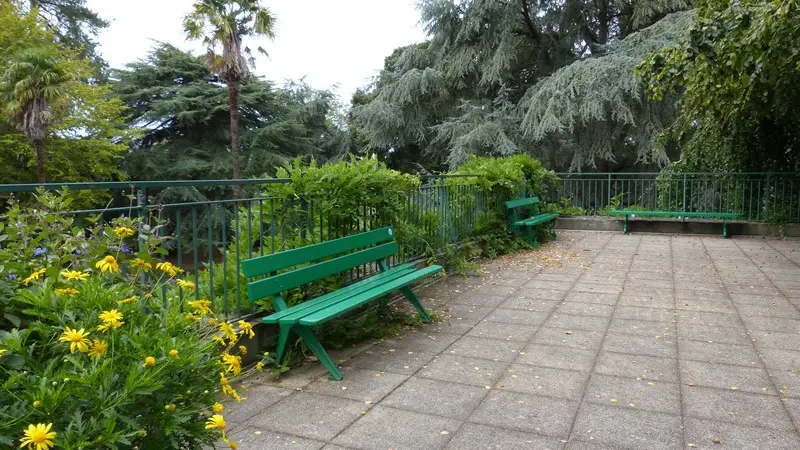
[31, 85]
[225, 23]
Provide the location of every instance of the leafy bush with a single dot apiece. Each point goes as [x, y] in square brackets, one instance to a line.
[91, 356]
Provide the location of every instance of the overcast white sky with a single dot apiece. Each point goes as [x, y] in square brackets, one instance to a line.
[329, 42]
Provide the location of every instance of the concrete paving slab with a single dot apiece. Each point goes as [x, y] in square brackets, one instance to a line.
[384, 427]
[525, 412]
[631, 393]
[491, 349]
[459, 369]
[620, 427]
[456, 401]
[557, 357]
[765, 411]
[545, 381]
[473, 436]
[307, 415]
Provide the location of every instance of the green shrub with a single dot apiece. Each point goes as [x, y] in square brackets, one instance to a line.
[89, 351]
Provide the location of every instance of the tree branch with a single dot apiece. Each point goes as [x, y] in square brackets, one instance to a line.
[526, 17]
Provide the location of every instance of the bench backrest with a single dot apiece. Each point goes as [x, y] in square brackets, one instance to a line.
[514, 208]
[266, 265]
[522, 202]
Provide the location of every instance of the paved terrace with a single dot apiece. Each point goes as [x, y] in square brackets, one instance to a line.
[597, 341]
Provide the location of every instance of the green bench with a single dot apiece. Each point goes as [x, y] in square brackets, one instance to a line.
[314, 262]
[681, 214]
[525, 224]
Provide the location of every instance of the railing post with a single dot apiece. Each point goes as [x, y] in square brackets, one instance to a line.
[608, 189]
[684, 192]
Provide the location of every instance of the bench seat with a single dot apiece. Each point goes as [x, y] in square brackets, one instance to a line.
[525, 226]
[536, 220]
[680, 214]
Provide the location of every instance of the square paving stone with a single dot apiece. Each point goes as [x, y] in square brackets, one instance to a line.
[627, 428]
[581, 445]
[692, 294]
[784, 309]
[651, 314]
[558, 357]
[525, 412]
[544, 381]
[758, 299]
[587, 340]
[657, 283]
[256, 439]
[476, 299]
[739, 407]
[710, 435]
[573, 322]
[530, 304]
[503, 331]
[498, 290]
[458, 369]
[743, 355]
[383, 427]
[725, 376]
[313, 416]
[596, 288]
[780, 359]
[721, 335]
[540, 294]
[586, 309]
[592, 297]
[710, 319]
[453, 400]
[492, 349]
[786, 381]
[259, 397]
[632, 393]
[646, 301]
[717, 306]
[772, 324]
[421, 341]
[642, 327]
[647, 291]
[358, 384]
[539, 284]
[517, 316]
[473, 436]
[637, 366]
[664, 346]
[380, 358]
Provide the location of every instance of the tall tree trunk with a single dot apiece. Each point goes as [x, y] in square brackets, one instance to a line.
[233, 102]
[38, 144]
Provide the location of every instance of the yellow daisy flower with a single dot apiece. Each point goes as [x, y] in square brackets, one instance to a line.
[170, 407]
[246, 328]
[242, 350]
[108, 264]
[37, 403]
[107, 326]
[227, 389]
[123, 232]
[200, 307]
[173, 353]
[216, 422]
[218, 408]
[97, 348]
[76, 338]
[111, 316]
[66, 292]
[149, 362]
[192, 318]
[259, 366]
[141, 264]
[169, 268]
[226, 328]
[232, 363]
[74, 275]
[127, 300]
[38, 437]
[188, 285]
[234, 445]
[35, 276]
[2, 351]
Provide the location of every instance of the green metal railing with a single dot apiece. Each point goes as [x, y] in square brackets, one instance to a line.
[770, 197]
[215, 233]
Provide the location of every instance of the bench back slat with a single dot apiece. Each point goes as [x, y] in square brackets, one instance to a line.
[520, 202]
[288, 280]
[270, 263]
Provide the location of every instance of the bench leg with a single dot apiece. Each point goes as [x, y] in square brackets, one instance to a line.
[283, 339]
[551, 227]
[308, 337]
[625, 229]
[412, 298]
[531, 236]
[724, 228]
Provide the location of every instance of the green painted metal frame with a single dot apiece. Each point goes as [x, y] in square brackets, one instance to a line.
[681, 214]
[345, 255]
[526, 227]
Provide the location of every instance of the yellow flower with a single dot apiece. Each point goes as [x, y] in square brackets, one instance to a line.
[35, 276]
[216, 422]
[141, 264]
[98, 347]
[108, 264]
[226, 328]
[173, 353]
[170, 407]
[123, 232]
[149, 362]
[127, 300]
[67, 292]
[2, 351]
[234, 445]
[188, 285]
[232, 363]
[218, 408]
[37, 403]
[242, 350]
[169, 268]
[148, 295]
[227, 389]
[212, 321]
[38, 437]
[111, 316]
[106, 326]
[74, 275]
[259, 366]
[200, 307]
[76, 338]
[192, 318]
[246, 328]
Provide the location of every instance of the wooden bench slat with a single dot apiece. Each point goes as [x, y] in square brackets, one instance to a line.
[692, 214]
[270, 263]
[309, 306]
[520, 202]
[288, 280]
[541, 218]
[355, 301]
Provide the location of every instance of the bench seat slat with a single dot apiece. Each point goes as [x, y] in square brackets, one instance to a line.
[520, 202]
[541, 218]
[693, 214]
[350, 303]
[309, 306]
